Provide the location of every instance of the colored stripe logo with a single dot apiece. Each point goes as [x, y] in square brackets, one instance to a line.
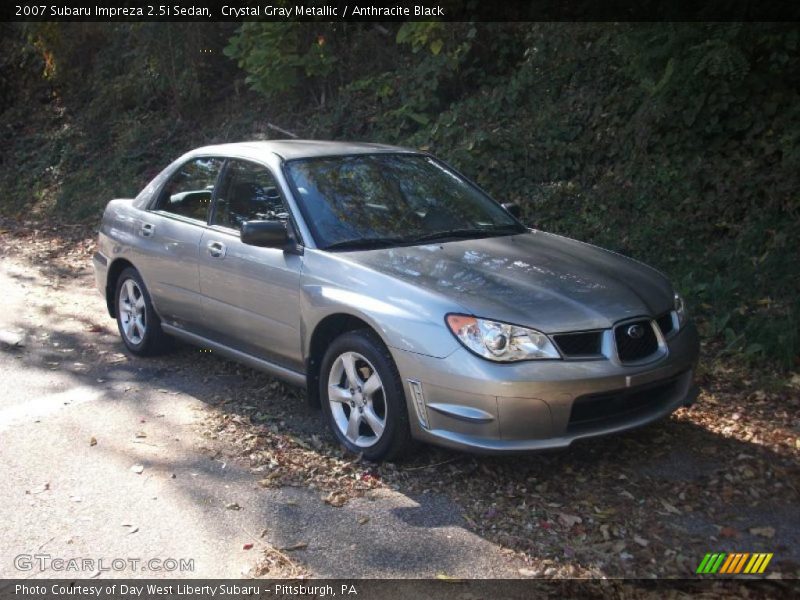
[734, 563]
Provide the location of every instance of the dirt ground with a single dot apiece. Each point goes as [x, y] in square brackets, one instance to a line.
[720, 477]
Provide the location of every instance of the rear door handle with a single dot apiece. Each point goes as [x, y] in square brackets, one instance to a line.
[216, 249]
[147, 229]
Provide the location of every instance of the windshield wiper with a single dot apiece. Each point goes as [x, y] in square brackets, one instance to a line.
[365, 243]
[466, 233]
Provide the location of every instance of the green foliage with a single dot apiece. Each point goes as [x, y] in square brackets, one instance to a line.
[284, 57]
[678, 144]
[100, 108]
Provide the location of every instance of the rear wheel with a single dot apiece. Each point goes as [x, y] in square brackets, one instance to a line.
[362, 397]
[137, 321]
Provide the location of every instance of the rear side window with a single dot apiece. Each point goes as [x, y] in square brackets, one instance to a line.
[248, 192]
[188, 191]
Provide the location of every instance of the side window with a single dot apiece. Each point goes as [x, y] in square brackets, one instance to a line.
[188, 191]
[248, 192]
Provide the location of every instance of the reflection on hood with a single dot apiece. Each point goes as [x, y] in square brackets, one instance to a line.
[534, 279]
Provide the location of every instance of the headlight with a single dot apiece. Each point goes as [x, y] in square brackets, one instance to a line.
[501, 342]
[680, 309]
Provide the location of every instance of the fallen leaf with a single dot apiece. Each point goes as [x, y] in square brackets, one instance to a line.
[297, 546]
[268, 480]
[795, 381]
[767, 532]
[336, 499]
[728, 532]
[42, 488]
[569, 520]
[300, 443]
[669, 508]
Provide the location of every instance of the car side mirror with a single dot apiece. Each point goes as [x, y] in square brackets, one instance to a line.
[266, 234]
[513, 209]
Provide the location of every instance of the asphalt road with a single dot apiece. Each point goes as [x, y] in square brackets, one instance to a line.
[107, 456]
[102, 458]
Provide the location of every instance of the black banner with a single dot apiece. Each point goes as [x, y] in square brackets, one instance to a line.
[402, 10]
[409, 589]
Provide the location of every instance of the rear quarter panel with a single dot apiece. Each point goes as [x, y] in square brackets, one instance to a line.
[117, 238]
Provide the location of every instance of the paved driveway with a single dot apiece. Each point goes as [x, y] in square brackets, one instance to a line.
[103, 457]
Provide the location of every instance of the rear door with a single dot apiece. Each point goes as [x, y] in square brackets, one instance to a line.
[169, 240]
[251, 296]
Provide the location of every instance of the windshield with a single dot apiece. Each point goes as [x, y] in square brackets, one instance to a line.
[390, 199]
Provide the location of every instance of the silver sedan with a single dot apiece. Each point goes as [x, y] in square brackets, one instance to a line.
[409, 304]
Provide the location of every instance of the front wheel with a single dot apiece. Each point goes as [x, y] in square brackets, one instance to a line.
[137, 321]
[362, 397]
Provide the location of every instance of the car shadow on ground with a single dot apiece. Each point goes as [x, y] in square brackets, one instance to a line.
[665, 494]
[650, 501]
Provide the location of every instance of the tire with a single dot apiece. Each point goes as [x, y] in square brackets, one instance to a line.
[138, 323]
[382, 430]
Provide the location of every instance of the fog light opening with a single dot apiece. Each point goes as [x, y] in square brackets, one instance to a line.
[419, 402]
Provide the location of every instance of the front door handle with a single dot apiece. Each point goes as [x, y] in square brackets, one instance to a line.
[216, 249]
[147, 229]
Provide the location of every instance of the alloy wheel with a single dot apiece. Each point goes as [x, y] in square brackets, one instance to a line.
[357, 400]
[132, 312]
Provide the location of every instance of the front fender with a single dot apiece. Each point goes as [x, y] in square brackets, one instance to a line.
[405, 317]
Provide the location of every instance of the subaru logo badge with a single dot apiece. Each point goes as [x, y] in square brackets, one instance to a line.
[635, 332]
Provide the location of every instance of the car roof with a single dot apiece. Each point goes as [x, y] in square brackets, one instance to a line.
[292, 149]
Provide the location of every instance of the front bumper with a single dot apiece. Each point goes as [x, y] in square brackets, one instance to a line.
[465, 402]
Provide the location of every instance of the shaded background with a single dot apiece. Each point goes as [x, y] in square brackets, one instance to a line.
[673, 143]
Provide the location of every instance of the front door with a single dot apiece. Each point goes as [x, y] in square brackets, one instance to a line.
[251, 295]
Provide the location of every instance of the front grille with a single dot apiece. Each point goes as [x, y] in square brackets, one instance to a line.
[598, 410]
[586, 343]
[665, 323]
[630, 348]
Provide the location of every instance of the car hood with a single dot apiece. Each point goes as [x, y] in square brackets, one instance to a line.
[534, 279]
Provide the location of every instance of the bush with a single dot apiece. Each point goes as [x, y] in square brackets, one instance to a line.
[677, 144]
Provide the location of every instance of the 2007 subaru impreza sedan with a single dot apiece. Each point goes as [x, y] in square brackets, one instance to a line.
[409, 304]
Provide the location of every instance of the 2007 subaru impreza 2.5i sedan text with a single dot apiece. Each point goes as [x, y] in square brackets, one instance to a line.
[409, 304]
